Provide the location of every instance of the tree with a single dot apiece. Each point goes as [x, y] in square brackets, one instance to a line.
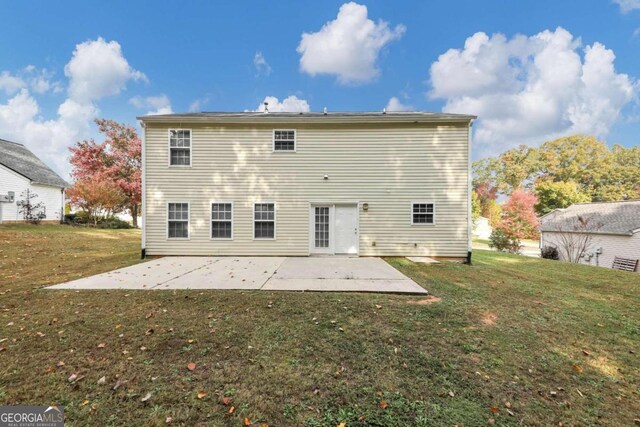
[575, 237]
[493, 211]
[556, 195]
[475, 206]
[31, 212]
[96, 196]
[118, 159]
[519, 220]
[515, 168]
[579, 158]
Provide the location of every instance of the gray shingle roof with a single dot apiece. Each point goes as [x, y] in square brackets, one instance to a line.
[342, 117]
[611, 217]
[19, 159]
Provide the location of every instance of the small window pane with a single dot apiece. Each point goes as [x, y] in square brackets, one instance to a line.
[284, 140]
[178, 229]
[221, 229]
[264, 230]
[423, 213]
[264, 220]
[180, 147]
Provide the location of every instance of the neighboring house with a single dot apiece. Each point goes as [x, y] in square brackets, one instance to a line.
[302, 184]
[612, 230]
[21, 170]
[481, 228]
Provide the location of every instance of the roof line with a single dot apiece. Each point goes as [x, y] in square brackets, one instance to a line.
[11, 142]
[610, 233]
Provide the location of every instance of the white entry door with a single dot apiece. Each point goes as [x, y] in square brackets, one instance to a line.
[346, 229]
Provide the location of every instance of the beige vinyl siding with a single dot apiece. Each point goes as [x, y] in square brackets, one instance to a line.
[387, 166]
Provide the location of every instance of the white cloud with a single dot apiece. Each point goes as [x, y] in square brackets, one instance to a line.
[395, 104]
[628, 5]
[41, 81]
[291, 104]
[348, 46]
[261, 64]
[98, 69]
[49, 139]
[196, 105]
[159, 104]
[10, 84]
[529, 89]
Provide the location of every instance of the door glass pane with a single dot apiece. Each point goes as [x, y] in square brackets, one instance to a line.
[322, 227]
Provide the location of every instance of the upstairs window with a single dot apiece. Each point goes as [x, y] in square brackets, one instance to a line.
[221, 221]
[284, 140]
[422, 213]
[178, 221]
[264, 221]
[180, 147]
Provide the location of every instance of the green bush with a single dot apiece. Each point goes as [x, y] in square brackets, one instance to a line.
[550, 252]
[81, 217]
[113, 223]
[504, 243]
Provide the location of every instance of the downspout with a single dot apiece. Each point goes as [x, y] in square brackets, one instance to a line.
[469, 189]
[143, 204]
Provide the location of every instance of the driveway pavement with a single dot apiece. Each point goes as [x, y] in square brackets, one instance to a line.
[259, 273]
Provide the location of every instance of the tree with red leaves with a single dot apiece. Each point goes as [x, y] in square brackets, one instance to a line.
[116, 161]
[519, 221]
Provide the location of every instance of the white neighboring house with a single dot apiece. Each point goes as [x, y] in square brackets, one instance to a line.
[300, 184]
[614, 231]
[481, 228]
[21, 170]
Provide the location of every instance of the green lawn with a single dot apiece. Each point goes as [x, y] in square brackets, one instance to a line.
[510, 340]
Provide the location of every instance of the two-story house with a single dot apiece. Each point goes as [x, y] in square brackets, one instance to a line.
[299, 184]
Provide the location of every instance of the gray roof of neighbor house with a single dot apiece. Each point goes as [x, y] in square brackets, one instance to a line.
[315, 117]
[604, 217]
[19, 159]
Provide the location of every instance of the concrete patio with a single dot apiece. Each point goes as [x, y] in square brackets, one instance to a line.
[337, 274]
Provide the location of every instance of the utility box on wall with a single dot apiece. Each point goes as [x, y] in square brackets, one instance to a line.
[7, 198]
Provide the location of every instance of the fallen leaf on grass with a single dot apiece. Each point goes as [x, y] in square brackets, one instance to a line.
[40, 334]
[119, 384]
[146, 397]
[149, 332]
[201, 394]
[494, 409]
[579, 392]
[73, 377]
[226, 400]
[577, 368]
[191, 366]
[3, 348]
[383, 404]
[169, 420]
[85, 403]
[102, 381]
[60, 364]
[246, 421]
[341, 425]
[378, 306]
[150, 314]
[102, 345]
[451, 393]
[585, 352]
[232, 410]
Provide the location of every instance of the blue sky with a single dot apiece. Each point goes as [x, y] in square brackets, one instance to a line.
[120, 59]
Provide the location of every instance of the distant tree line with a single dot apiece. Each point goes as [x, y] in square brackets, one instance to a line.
[573, 169]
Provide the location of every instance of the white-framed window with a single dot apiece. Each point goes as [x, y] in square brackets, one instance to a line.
[178, 220]
[222, 220]
[423, 213]
[284, 140]
[179, 147]
[264, 220]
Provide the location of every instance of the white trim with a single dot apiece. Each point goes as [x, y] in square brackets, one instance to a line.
[469, 198]
[253, 220]
[295, 141]
[423, 202]
[188, 219]
[143, 204]
[220, 202]
[169, 148]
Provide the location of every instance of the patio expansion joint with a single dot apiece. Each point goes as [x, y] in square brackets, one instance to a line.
[185, 273]
[272, 274]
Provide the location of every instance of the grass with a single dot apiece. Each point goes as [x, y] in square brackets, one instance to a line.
[547, 342]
